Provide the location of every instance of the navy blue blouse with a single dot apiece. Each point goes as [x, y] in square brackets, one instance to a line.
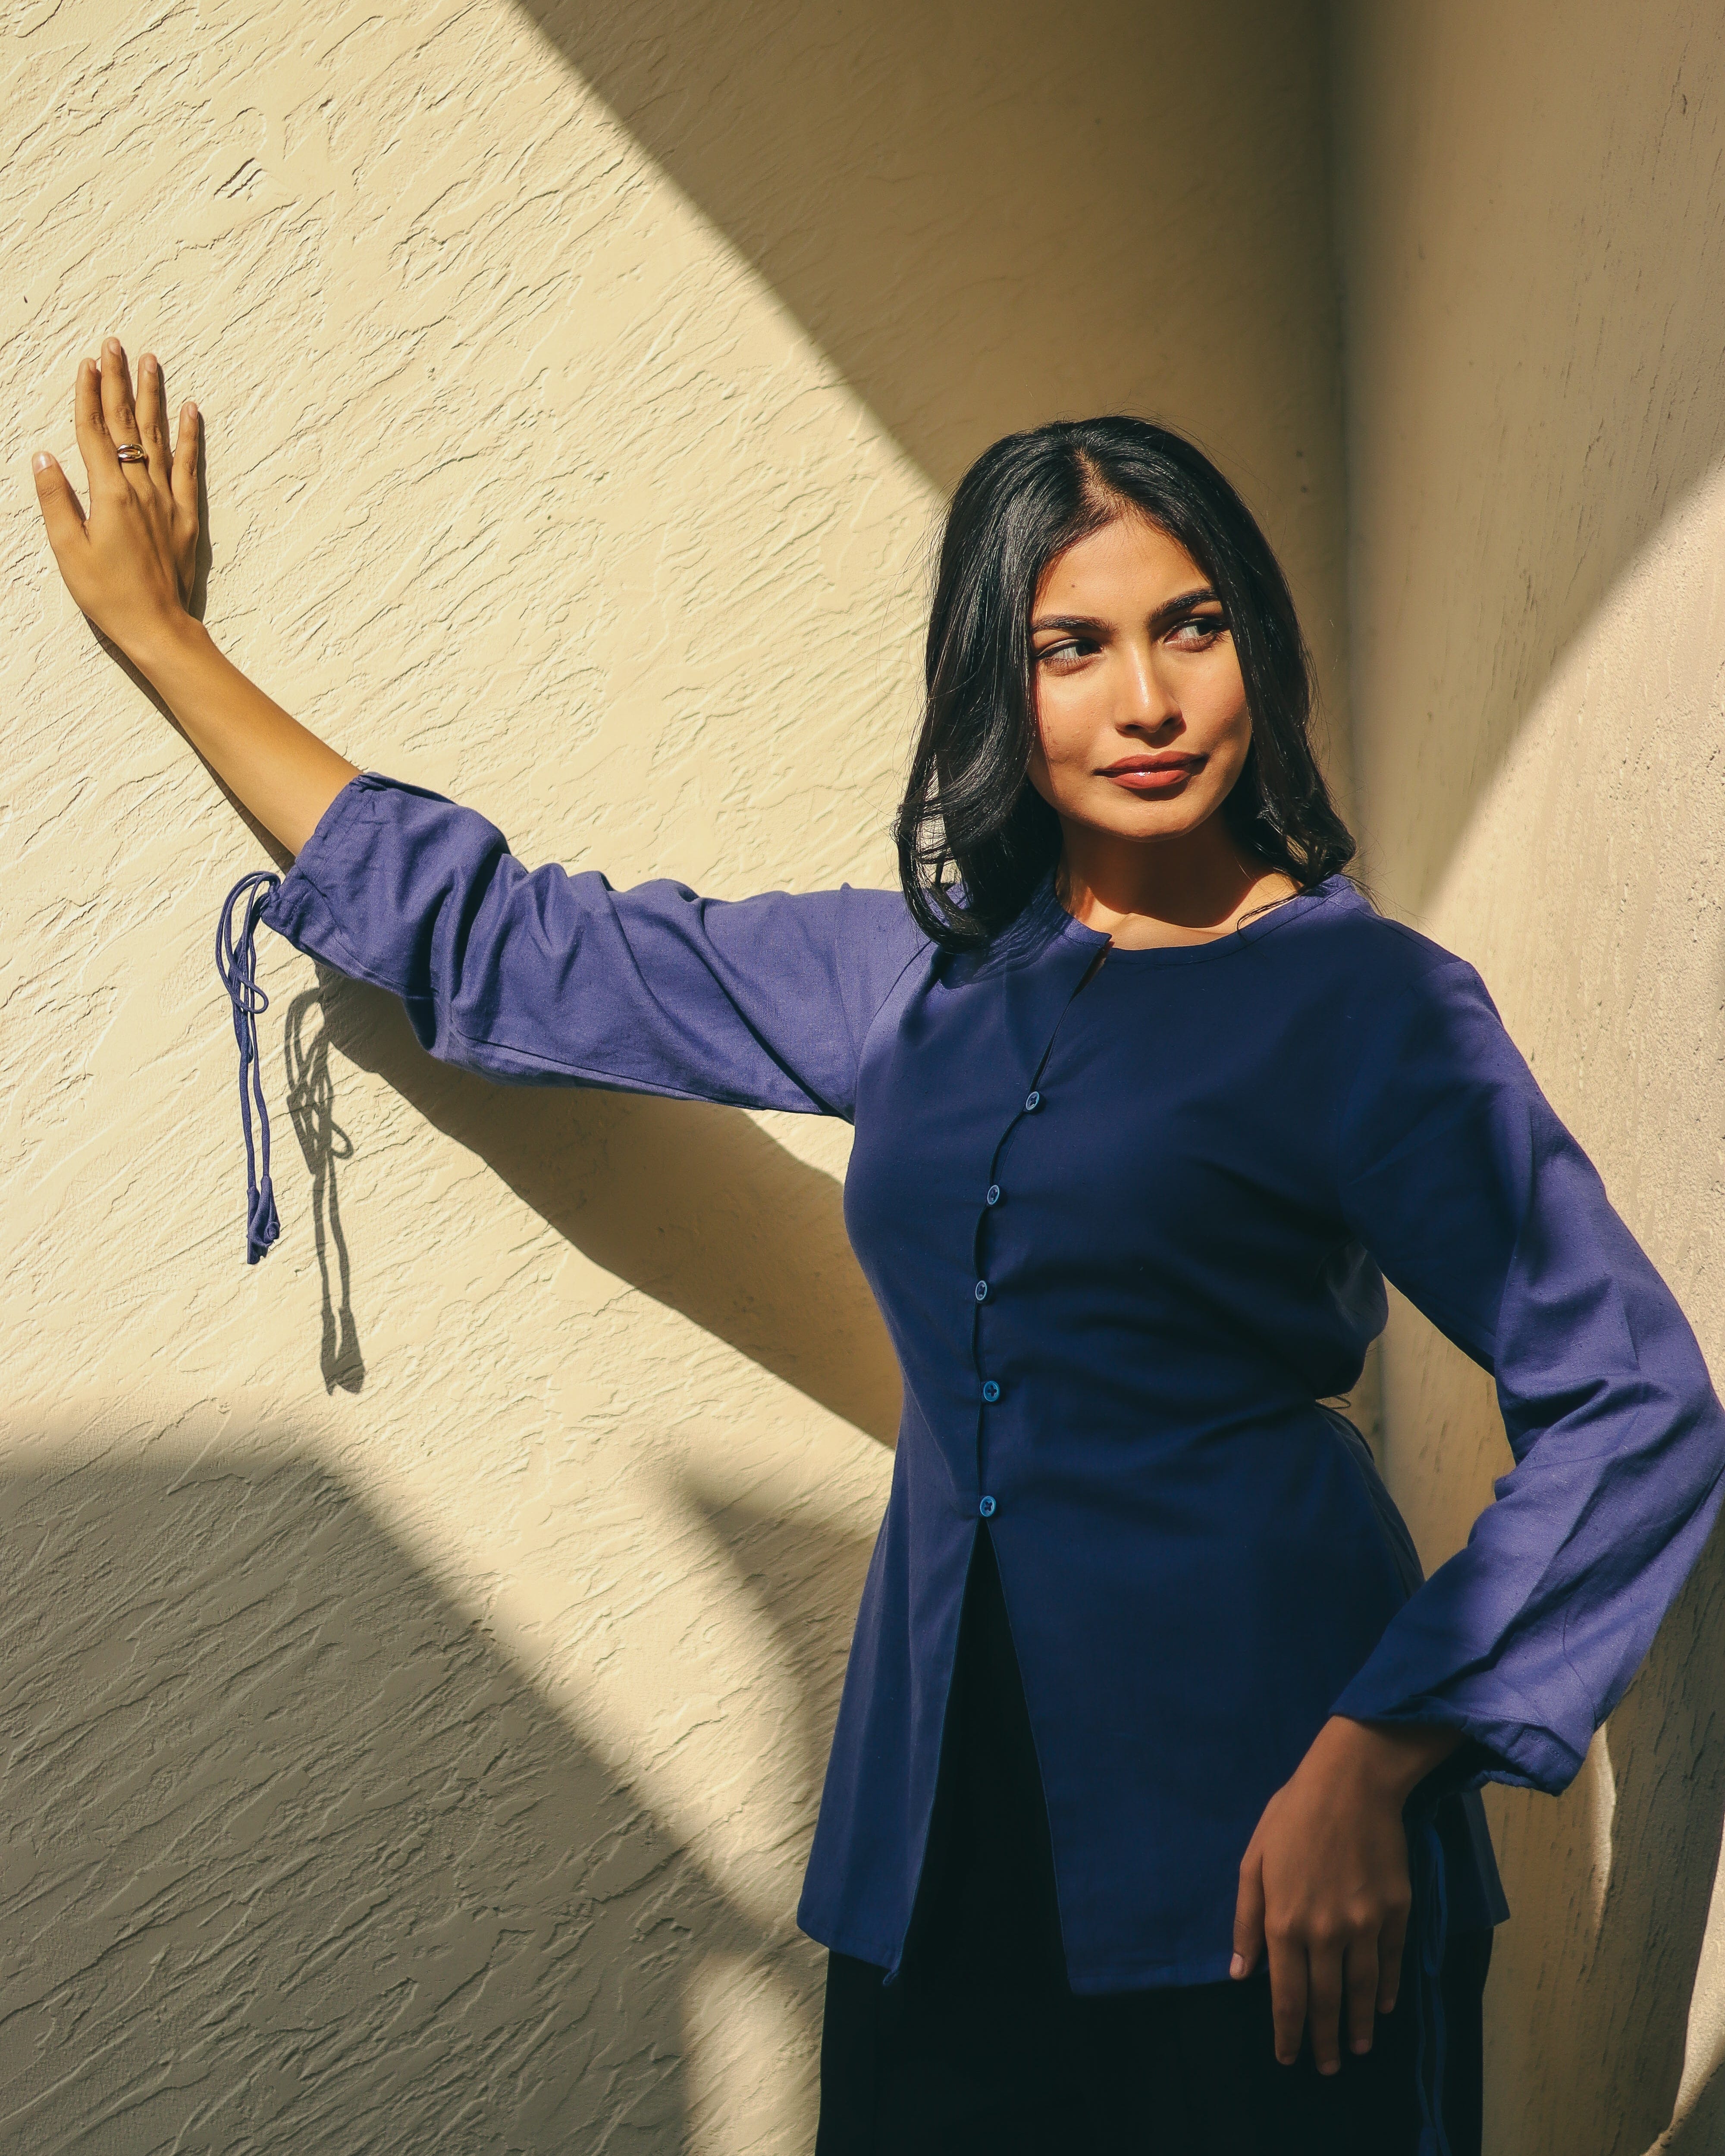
[1128, 1223]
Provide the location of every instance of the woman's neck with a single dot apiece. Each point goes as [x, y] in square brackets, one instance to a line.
[1185, 889]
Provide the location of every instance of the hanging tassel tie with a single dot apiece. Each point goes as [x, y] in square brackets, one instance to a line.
[1431, 1922]
[236, 965]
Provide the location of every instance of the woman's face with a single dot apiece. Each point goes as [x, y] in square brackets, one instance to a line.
[1141, 711]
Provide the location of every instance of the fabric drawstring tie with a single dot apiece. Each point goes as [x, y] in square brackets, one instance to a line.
[1431, 1919]
[236, 965]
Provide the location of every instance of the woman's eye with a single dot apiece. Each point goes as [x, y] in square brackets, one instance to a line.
[1198, 629]
[1075, 649]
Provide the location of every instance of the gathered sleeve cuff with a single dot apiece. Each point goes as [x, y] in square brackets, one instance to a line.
[1457, 1175]
[543, 978]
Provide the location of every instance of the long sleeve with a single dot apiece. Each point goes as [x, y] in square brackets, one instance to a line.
[1476, 1202]
[543, 978]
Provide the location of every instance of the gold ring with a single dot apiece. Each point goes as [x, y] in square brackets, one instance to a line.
[132, 453]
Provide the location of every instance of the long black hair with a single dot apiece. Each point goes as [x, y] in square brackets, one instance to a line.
[974, 837]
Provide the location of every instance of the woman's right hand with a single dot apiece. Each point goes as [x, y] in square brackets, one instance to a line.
[129, 559]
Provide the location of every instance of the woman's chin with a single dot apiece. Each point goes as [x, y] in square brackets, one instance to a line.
[1146, 821]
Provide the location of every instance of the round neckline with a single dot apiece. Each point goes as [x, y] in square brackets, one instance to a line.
[1191, 954]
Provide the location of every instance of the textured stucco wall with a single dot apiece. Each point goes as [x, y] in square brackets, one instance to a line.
[418, 1653]
[1533, 259]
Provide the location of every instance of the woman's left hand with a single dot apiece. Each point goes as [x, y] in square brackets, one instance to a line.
[1324, 1884]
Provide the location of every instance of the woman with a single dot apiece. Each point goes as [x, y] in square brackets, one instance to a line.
[1156, 1763]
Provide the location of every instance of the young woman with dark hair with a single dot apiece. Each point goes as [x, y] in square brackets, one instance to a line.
[1024, 504]
[1153, 1817]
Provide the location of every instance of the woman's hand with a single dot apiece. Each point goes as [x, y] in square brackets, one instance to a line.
[129, 561]
[1324, 1884]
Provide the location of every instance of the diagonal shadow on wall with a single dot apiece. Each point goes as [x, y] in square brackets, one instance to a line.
[981, 218]
[988, 217]
[1535, 270]
[787, 1568]
[696, 1207]
[295, 1858]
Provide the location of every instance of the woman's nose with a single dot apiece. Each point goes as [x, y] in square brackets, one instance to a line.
[1147, 701]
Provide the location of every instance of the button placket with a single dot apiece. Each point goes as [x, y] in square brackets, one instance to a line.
[990, 1387]
[987, 1505]
[987, 1292]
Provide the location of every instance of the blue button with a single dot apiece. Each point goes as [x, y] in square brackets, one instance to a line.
[993, 1193]
[985, 1506]
[1032, 1100]
[981, 1291]
[991, 1391]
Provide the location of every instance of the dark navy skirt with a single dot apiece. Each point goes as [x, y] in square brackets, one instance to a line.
[978, 2045]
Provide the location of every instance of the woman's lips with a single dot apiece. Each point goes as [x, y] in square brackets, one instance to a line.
[1155, 777]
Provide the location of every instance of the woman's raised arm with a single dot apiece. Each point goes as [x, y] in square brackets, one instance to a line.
[537, 978]
[128, 560]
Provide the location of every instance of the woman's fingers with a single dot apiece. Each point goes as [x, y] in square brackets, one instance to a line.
[1330, 1858]
[119, 414]
[1391, 1942]
[152, 420]
[1323, 2003]
[61, 511]
[95, 443]
[1289, 1993]
[184, 478]
[1362, 1992]
[1249, 1915]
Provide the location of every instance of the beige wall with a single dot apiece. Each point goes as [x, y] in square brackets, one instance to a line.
[1533, 254]
[419, 1652]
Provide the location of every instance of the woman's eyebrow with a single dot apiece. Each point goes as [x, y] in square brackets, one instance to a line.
[1169, 610]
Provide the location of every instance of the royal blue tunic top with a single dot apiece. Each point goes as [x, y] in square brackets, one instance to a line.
[1128, 1223]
